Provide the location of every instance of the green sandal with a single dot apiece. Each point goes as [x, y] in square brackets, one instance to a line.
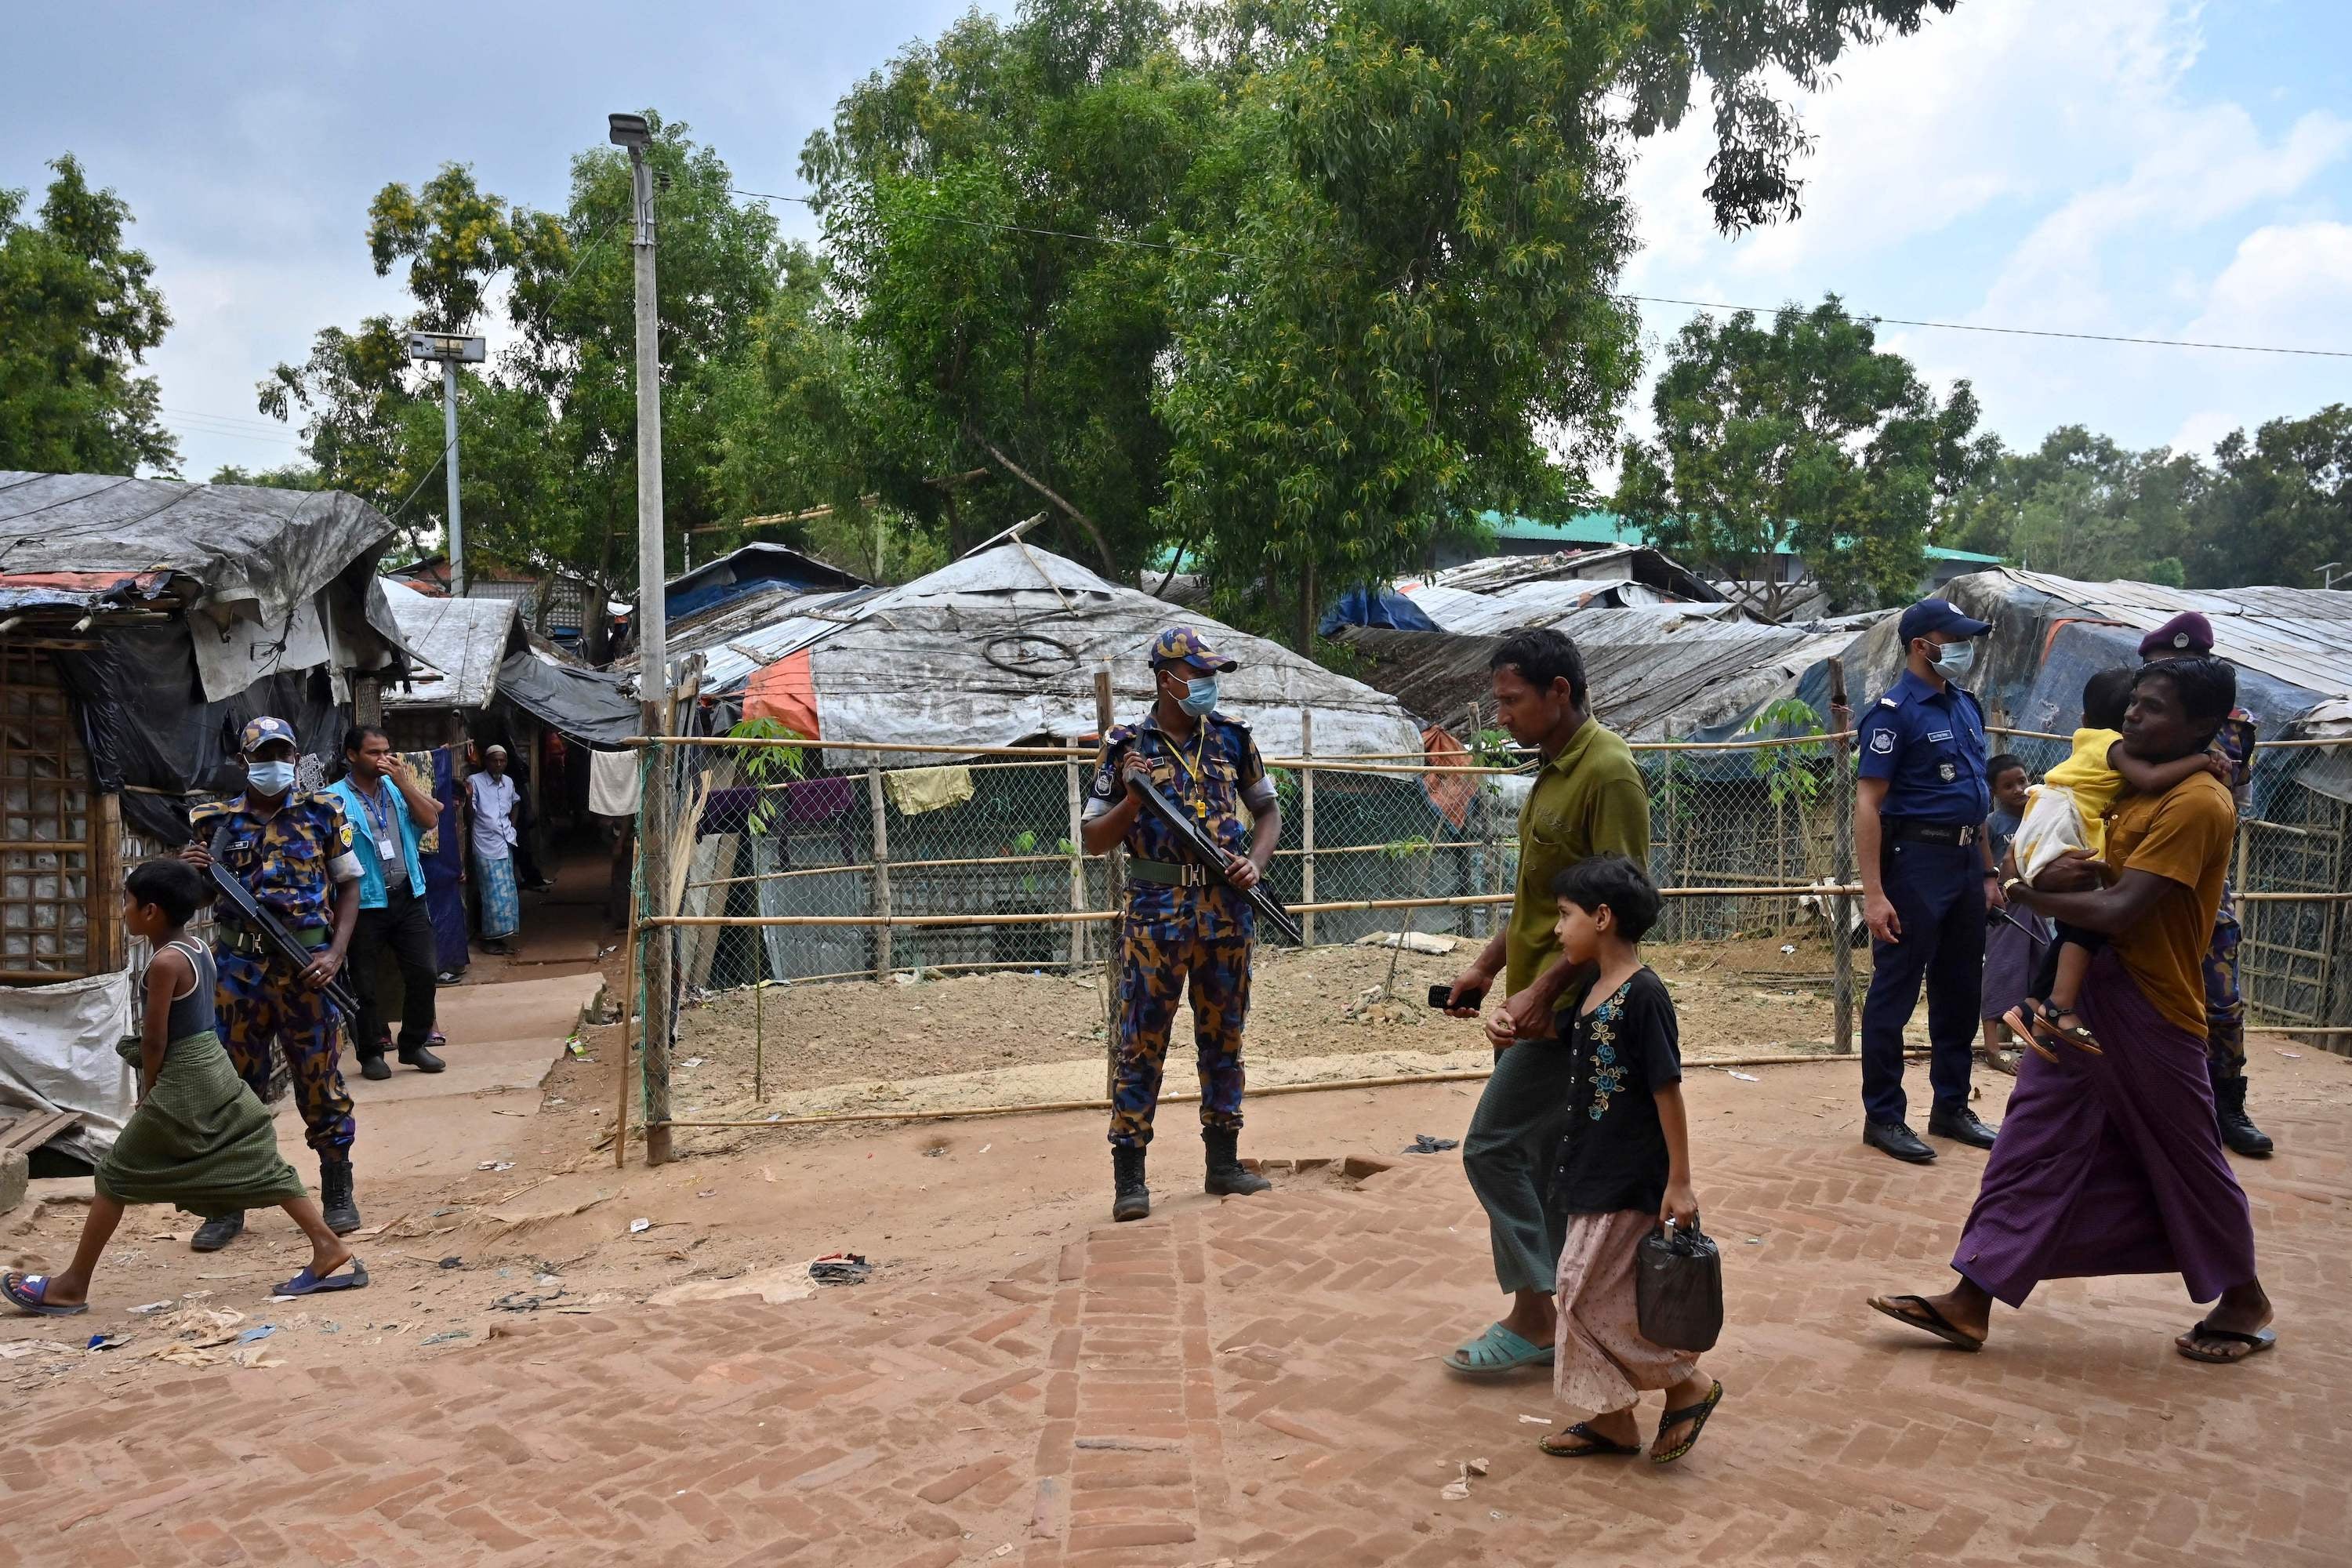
[1495, 1354]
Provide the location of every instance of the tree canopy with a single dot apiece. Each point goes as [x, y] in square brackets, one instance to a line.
[1802, 438]
[78, 310]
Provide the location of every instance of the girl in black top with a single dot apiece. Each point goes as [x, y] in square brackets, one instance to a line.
[1624, 1169]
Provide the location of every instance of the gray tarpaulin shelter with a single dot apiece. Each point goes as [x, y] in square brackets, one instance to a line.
[1000, 647]
[591, 706]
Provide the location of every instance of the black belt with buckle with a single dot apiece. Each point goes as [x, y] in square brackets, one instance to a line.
[1189, 875]
[1956, 834]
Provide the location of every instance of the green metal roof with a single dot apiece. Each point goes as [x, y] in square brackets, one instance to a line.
[1585, 527]
[1936, 553]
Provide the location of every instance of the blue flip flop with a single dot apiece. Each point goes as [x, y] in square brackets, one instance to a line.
[27, 1293]
[1497, 1352]
[308, 1284]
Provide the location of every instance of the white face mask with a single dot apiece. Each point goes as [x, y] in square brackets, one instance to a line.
[1953, 660]
[269, 778]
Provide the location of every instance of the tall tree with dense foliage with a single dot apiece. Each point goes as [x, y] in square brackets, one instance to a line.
[1800, 438]
[2081, 506]
[2281, 505]
[78, 310]
[1408, 317]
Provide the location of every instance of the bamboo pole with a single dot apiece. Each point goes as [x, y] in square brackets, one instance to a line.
[884, 960]
[760, 1041]
[1842, 862]
[1307, 822]
[629, 1017]
[1076, 858]
[1393, 1080]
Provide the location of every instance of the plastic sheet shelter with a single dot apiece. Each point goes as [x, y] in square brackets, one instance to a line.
[748, 571]
[1001, 647]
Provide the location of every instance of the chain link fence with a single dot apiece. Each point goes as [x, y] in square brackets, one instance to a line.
[784, 868]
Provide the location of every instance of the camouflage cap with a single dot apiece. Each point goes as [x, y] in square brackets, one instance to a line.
[1183, 644]
[262, 731]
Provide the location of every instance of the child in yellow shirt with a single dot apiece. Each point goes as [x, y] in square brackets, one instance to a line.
[2068, 810]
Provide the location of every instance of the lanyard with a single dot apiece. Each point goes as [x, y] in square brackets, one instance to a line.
[1193, 766]
[380, 815]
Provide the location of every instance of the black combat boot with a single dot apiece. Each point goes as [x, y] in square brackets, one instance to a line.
[1130, 1198]
[2237, 1129]
[1226, 1177]
[335, 1200]
[217, 1232]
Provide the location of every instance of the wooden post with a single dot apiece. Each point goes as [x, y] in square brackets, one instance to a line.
[1842, 862]
[1077, 794]
[758, 1040]
[1675, 866]
[367, 699]
[1307, 821]
[883, 959]
[628, 1014]
[1113, 881]
[102, 895]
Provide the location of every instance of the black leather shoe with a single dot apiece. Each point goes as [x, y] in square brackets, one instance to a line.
[2237, 1129]
[1894, 1138]
[374, 1068]
[1226, 1176]
[1130, 1199]
[421, 1057]
[215, 1234]
[1961, 1126]
[336, 1202]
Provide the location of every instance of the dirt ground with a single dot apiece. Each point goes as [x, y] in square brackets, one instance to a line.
[1336, 1008]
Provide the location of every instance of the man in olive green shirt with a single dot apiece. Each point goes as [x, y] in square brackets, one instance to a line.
[1588, 799]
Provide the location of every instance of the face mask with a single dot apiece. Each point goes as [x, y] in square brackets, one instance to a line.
[1953, 659]
[1199, 695]
[269, 778]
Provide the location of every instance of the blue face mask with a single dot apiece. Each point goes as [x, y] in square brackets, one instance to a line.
[1953, 660]
[1199, 695]
[269, 778]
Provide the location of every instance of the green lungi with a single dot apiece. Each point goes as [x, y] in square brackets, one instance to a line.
[199, 1140]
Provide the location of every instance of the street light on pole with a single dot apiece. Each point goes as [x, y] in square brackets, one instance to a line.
[452, 349]
[633, 132]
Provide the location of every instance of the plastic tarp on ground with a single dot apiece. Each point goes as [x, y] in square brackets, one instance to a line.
[1002, 646]
[57, 1053]
[585, 705]
[460, 642]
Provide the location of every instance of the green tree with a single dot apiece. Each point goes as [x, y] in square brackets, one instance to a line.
[2281, 507]
[78, 310]
[2082, 507]
[1802, 438]
[1408, 316]
[287, 477]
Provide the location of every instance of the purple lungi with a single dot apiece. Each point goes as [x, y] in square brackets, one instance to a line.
[2112, 1164]
[2014, 942]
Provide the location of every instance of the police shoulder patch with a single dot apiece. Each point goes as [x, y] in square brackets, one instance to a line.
[1881, 742]
[1888, 702]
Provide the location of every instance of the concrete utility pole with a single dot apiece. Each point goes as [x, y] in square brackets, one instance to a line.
[631, 131]
[452, 349]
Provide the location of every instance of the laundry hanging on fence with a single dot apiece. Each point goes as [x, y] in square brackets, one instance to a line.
[915, 791]
[613, 784]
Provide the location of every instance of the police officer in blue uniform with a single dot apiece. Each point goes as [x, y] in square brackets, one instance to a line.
[1928, 878]
[1183, 929]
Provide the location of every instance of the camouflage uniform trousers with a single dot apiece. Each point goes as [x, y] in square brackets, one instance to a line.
[261, 1001]
[1154, 967]
[2225, 1006]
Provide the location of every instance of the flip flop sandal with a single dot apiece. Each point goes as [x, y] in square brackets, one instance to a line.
[1934, 1322]
[308, 1284]
[1696, 1415]
[2257, 1342]
[1595, 1445]
[2079, 1036]
[1496, 1353]
[28, 1294]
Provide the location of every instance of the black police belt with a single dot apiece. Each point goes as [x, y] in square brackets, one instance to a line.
[1189, 875]
[1907, 831]
[253, 944]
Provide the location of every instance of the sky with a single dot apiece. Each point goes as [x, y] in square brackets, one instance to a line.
[2142, 168]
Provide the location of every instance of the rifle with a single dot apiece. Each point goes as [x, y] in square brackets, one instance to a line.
[1203, 848]
[249, 909]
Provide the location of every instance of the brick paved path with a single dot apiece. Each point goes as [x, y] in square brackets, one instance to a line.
[1254, 1381]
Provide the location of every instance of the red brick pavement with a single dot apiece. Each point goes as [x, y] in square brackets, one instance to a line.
[1254, 1381]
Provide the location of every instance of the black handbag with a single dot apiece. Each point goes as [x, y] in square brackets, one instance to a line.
[1678, 1289]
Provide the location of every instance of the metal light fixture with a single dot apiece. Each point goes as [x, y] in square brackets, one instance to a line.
[628, 131]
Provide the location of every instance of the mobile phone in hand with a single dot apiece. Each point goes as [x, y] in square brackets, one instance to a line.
[1440, 993]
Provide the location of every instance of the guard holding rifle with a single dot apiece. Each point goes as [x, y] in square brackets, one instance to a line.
[1184, 921]
[293, 850]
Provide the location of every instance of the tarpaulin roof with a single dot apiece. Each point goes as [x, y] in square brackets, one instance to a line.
[1621, 563]
[588, 705]
[1002, 645]
[747, 570]
[460, 642]
[1687, 665]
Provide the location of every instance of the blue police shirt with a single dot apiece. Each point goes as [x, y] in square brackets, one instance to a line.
[1930, 746]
